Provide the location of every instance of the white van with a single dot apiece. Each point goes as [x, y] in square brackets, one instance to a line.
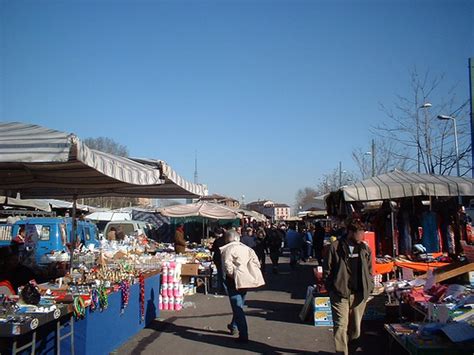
[131, 227]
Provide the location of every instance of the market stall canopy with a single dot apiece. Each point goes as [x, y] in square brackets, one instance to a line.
[253, 214]
[293, 219]
[60, 204]
[41, 205]
[110, 216]
[41, 162]
[399, 184]
[312, 214]
[201, 209]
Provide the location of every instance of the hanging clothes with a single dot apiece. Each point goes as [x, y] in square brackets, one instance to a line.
[430, 239]
[404, 233]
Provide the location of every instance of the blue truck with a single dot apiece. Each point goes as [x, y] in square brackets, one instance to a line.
[47, 236]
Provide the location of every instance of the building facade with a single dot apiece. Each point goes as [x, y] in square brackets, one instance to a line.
[275, 211]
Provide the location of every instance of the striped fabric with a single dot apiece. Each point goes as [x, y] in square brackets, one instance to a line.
[200, 209]
[399, 184]
[39, 163]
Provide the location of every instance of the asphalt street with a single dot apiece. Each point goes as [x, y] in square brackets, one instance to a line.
[272, 316]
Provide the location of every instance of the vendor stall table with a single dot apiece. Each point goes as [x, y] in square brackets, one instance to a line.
[434, 345]
[381, 269]
[102, 332]
[99, 332]
[419, 266]
[17, 338]
[204, 276]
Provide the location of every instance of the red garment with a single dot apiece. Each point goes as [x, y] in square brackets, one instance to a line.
[19, 239]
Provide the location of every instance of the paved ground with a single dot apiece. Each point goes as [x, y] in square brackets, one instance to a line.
[272, 316]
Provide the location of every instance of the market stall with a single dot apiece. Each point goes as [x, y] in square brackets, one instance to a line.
[411, 214]
[114, 283]
[442, 321]
[201, 212]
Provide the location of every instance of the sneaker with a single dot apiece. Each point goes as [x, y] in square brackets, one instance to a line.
[232, 329]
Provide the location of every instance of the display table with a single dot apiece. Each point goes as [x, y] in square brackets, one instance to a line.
[99, 332]
[204, 277]
[419, 266]
[102, 332]
[434, 345]
[381, 269]
[28, 336]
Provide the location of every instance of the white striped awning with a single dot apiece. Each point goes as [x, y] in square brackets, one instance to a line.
[40, 163]
[201, 209]
[399, 184]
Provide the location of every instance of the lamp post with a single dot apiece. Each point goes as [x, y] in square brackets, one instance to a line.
[446, 118]
[425, 106]
[372, 154]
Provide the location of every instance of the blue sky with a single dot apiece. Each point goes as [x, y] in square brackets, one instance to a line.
[271, 94]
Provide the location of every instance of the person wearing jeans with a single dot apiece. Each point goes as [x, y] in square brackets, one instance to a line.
[348, 275]
[237, 301]
[294, 241]
[242, 271]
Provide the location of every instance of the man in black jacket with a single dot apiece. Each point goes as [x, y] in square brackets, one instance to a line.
[348, 274]
[216, 257]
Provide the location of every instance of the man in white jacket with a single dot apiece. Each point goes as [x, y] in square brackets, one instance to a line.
[242, 270]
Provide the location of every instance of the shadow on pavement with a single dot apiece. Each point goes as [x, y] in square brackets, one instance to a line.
[290, 280]
[274, 311]
[209, 336]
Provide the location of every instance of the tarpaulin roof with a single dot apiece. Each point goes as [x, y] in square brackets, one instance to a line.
[399, 184]
[41, 205]
[110, 216]
[200, 209]
[41, 162]
[253, 214]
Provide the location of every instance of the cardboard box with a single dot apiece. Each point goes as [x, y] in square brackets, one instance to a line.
[322, 304]
[190, 269]
[323, 319]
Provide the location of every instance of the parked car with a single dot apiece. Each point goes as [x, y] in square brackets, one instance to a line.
[50, 236]
[131, 227]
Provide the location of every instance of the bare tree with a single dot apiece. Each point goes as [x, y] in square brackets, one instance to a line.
[108, 145]
[334, 180]
[305, 196]
[381, 158]
[417, 136]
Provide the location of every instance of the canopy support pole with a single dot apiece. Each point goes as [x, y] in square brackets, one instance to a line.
[392, 222]
[73, 228]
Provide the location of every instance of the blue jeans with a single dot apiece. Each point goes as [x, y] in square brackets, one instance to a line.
[237, 300]
[221, 286]
[294, 256]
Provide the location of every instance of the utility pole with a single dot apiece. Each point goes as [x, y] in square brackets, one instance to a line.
[418, 140]
[471, 92]
[373, 157]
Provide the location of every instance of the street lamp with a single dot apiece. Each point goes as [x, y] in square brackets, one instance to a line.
[447, 118]
[372, 154]
[425, 106]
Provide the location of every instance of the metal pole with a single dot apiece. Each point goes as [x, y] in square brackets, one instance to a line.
[73, 229]
[418, 140]
[457, 154]
[471, 92]
[392, 225]
[373, 157]
[457, 146]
